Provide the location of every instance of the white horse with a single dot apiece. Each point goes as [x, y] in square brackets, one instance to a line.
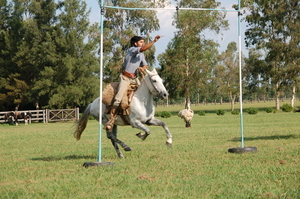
[141, 112]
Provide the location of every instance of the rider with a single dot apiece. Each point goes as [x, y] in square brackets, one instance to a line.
[134, 60]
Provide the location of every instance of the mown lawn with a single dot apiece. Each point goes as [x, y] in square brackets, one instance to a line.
[45, 161]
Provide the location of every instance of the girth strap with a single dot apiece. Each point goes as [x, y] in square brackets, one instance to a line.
[126, 122]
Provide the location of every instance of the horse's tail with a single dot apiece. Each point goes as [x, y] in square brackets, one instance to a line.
[82, 122]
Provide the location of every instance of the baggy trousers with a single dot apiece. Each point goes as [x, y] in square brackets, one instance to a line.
[123, 86]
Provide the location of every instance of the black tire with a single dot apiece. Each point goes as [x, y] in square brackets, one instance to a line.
[87, 164]
[243, 150]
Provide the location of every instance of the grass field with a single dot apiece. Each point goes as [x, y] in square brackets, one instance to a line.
[45, 161]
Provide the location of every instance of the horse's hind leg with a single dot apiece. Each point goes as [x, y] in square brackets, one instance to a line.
[16, 122]
[120, 154]
[114, 132]
[113, 136]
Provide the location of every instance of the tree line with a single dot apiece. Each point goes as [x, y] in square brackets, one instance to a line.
[49, 54]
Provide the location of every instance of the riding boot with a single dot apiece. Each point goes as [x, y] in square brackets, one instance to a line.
[112, 119]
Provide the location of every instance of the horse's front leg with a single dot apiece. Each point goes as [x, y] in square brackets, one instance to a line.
[139, 125]
[157, 122]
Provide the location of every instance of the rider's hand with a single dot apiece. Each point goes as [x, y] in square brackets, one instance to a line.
[142, 69]
[157, 38]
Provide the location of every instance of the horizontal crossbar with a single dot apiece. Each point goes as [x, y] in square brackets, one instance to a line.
[175, 8]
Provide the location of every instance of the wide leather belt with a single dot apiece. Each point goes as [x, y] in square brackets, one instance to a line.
[127, 74]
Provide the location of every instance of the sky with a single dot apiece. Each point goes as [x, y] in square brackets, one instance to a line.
[167, 30]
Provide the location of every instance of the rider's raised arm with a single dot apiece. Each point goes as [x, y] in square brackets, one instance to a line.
[148, 45]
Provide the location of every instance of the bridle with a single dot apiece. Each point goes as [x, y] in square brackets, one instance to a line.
[154, 92]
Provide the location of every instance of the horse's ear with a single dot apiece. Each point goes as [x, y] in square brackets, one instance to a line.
[154, 71]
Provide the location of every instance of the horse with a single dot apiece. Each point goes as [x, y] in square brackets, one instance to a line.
[22, 115]
[9, 117]
[141, 113]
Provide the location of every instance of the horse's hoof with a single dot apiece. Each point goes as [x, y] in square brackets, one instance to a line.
[169, 144]
[127, 149]
[121, 156]
[139, 135]
[142, 136]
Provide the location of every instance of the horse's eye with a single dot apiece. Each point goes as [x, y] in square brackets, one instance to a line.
[154, 81]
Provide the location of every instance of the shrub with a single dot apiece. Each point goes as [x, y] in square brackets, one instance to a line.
[91, 118]
[165, 114]
[201, 113]
[157, 114]
[235, 112]
[269, 110]
[220, 112]
[287, 108]
[252, 111]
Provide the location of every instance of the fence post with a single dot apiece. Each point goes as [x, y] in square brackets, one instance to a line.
[77, 113]
[44, 116]
[47, 115]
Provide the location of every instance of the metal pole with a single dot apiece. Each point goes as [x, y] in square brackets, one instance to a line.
[240, 75]
[101, 79]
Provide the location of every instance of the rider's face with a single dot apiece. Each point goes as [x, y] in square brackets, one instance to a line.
[140, 43]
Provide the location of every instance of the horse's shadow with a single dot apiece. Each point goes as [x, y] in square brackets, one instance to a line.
[70, 157]
[272, 137]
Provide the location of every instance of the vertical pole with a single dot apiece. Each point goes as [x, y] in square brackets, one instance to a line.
[240, 75]
[101, 79]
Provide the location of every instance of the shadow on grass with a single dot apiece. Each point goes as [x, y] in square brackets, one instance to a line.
[70, 157]
[272, 137]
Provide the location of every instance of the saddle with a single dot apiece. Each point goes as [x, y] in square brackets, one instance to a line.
[109, 93]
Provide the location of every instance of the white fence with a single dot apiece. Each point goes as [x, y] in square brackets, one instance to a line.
[47, 115]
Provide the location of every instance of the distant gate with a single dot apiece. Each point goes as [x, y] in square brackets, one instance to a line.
[62, 115]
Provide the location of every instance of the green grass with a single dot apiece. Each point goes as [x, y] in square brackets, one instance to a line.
[45, 161]
[212, 108]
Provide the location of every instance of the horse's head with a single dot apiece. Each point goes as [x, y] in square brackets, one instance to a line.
[155, 84]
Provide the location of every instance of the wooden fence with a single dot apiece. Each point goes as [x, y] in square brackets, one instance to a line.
[47, 115]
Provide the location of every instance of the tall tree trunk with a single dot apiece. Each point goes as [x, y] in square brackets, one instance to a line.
[232, 103]
[277, 101]
[293, 96]
[188, 103]
[232, 98]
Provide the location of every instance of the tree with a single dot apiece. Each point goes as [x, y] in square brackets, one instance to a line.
[187, 63]
[38, 25]
[11, 35]
[70, 74]
[51, 50]
[227, 72]
[255, 66]
[274, 26]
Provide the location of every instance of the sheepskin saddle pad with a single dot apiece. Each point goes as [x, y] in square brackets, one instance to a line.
[108, 96]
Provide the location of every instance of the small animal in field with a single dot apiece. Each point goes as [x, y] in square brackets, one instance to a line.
[187, 116]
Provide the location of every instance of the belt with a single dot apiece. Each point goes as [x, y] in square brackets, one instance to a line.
[127, 74]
